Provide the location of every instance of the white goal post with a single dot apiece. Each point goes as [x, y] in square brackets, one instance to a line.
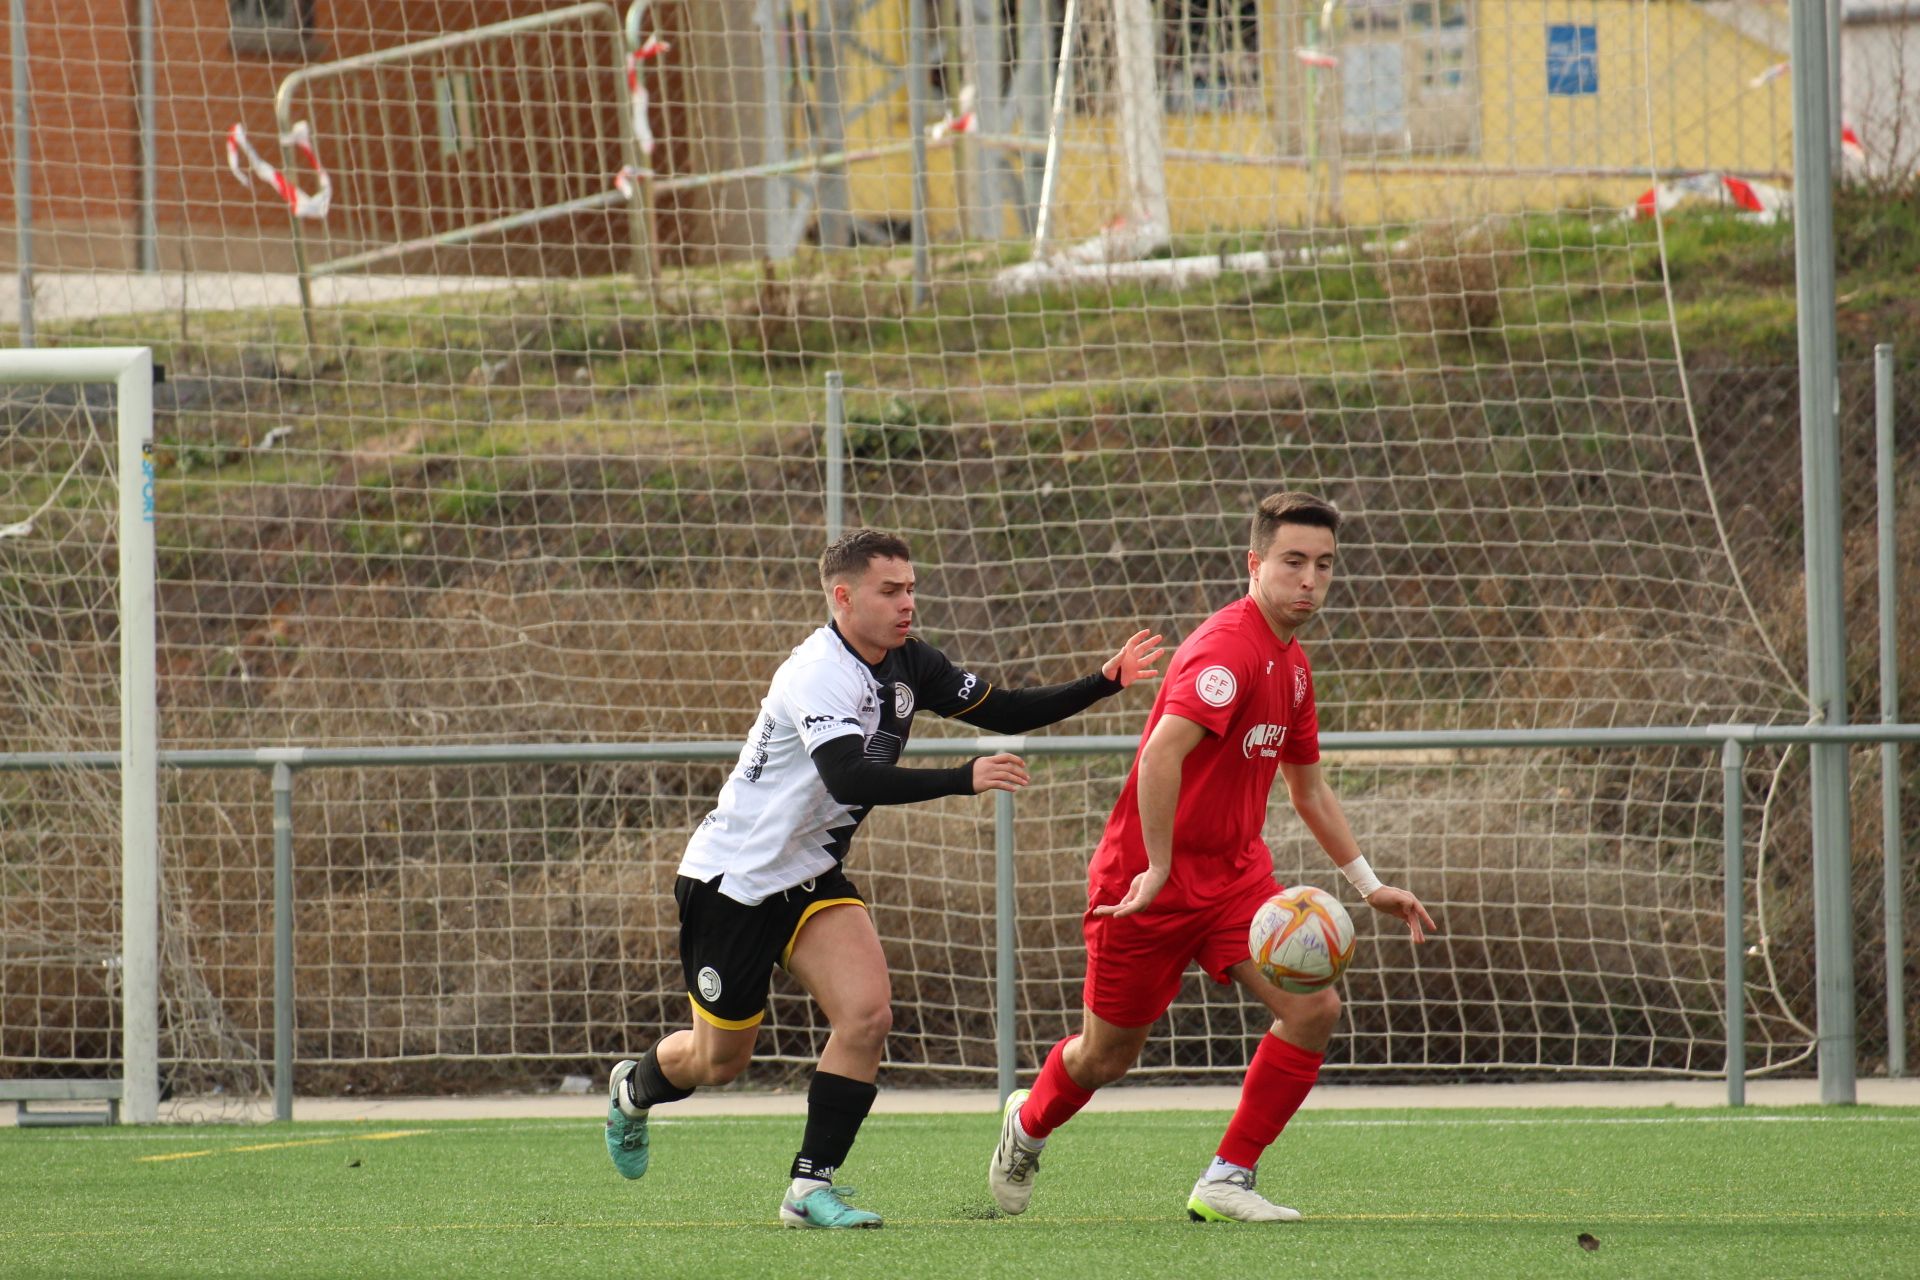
[130, 371]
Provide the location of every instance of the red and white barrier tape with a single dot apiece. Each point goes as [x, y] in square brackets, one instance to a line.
[300, 137]
[962, 120]
[1763, 201]
[651, 48]
[1315, 58]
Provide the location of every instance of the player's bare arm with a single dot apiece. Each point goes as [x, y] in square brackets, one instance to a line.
[1319, 807]
[1172, 740]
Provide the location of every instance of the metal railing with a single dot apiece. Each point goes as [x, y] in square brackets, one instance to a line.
[1732, 741]
[595, 21]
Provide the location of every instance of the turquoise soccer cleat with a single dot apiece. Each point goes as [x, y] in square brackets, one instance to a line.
[825, 1207]
[626, 1134]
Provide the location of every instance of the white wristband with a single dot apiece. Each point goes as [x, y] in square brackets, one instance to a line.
[1361, 877]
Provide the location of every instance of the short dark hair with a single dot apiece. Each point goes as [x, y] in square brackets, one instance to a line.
[1290, 508]
[851, 553]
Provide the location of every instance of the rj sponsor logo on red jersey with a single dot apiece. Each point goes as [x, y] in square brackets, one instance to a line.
[1263, 739]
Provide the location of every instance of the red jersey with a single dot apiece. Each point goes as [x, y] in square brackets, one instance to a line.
[1254, 697]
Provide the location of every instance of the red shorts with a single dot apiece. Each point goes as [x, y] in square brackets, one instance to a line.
[1134, 963]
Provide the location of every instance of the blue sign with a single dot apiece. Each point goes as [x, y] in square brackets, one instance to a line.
[1573, 60]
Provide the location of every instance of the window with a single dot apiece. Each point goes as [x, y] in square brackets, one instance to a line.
[1206, 53]
[1407, 78]
[1210, 56]
[453, 105]
[281, 27]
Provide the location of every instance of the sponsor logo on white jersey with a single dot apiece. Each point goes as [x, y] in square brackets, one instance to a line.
[1264, 739]
[1216, 686]
[902, 700]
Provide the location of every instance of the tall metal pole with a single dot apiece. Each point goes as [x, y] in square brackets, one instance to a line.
[917, 125]
[1814, 133]
[836, 197]
[1030, 92]
[147, 244]
[1890, 834]
[776, 239]
[22, 165]
[1836, 85]
[981, 42]
[1143, 128]
[836, 454]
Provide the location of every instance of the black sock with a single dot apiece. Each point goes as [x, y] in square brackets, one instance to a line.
[650, 1085]
[835, 1107]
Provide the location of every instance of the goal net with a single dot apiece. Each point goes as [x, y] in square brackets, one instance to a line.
[544, 464]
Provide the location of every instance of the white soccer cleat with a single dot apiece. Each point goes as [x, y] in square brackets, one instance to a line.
[1010, 1176]
[1233, 1199]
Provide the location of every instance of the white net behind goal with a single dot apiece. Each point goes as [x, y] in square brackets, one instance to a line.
[503, 487]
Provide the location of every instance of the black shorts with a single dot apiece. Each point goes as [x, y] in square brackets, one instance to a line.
[728, 949]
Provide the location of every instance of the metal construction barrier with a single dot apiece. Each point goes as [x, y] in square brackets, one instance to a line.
[433, 144]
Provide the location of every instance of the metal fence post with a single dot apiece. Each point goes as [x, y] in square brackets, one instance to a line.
[147, 242]
[836, 454]
[917, 122]
[1733, 758]
[282, 942]
[22, 165]
[1889, 713]
[1004, 907]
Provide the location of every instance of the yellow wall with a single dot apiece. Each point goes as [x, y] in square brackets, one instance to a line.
[1673, 92]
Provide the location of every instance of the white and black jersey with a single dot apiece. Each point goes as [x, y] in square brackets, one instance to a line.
[823, 751]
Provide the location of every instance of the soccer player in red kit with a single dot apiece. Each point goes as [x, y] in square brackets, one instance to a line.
[1181, 869]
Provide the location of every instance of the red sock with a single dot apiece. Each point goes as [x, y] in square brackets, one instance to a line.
[1277, 1083]
[1055, 1096]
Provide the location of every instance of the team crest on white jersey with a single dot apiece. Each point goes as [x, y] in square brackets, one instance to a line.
[1216, 686]
[1263, 739]
[1299, 685]
[902, 700]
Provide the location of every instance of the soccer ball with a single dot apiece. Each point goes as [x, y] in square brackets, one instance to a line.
[1302, 939]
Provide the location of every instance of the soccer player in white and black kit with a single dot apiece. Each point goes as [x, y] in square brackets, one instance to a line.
[761, 883]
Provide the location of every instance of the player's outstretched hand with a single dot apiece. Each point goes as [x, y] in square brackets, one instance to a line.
[1135, 659]
[1004, 772]
[1389, 901]
[1145, 887]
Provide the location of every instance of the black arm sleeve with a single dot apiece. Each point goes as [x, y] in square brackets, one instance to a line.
[1018, 710]
[852, 779]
